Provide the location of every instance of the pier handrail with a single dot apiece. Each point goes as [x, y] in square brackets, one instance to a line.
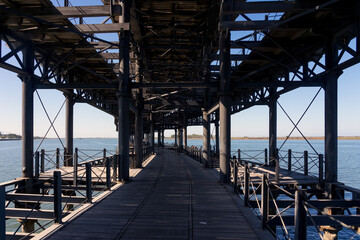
[69, 189]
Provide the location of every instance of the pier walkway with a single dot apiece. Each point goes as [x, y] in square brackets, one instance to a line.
[173, 197]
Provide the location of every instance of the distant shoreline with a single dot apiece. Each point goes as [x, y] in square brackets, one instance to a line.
[283, 138]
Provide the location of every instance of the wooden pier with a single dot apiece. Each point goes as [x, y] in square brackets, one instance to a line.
[160, 65]
[172, 197]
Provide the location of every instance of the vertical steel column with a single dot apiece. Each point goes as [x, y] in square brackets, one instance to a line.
[152, 133]
[123, 93]
[331, 115]
[206, 138]
[159, 138]
[185, 130]
[69, 129]
[181, 133]
[300, 217]
[225, 106]
[139, 132]
[2, 213]
[57, 197]
[27, 113]
[138, 138]
[217, 133]
[176, 137]
[272, 127]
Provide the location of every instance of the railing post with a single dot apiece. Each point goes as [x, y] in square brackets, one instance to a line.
[239, 156]
[289, 160]
[57, 197]
[321, 168]
[104, 156]
[37, 163]
[277, 166]
[306, 160]
[264, 200]
[300, 217]
[266, 156]
[57, 158]
[2, 213]
[88, 182]
[108, 173]
[235, 173]
[42, 160]
[246, 184]
[75, 167]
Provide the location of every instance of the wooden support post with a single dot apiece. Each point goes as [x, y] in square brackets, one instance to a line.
[300, 217]
[306, 161]
[239, 156]
[264, 200]
[42, 160]
[37, 164]
[2, 213]
[57, 158]
[108, 173]
[289, 160]
[57, 197]
[246, 184]
[88, 183]
[277, 166]
[266, 157]
[321, 168]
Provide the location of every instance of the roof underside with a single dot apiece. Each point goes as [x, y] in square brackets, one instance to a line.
[176, 45]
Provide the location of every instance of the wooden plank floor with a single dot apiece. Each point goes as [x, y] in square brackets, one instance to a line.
[172, 198]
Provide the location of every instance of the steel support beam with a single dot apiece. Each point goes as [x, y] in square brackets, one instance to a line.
[331, 113]
[159, 138]
[225, 110]
[69, 129]
[27, 113]
[138, 139]
[185, 130]
[139, 132]
[272, 127]
[206, 139]
[176, 137]
[152, 133]
[217, 149]
[181, 137]
[124, 94]
[162, 138]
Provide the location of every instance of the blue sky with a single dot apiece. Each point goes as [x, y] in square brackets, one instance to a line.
[90, 122]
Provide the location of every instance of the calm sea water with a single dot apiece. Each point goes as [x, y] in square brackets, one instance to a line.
[349, 157]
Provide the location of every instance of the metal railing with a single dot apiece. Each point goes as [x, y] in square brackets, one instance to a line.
[58, 192]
